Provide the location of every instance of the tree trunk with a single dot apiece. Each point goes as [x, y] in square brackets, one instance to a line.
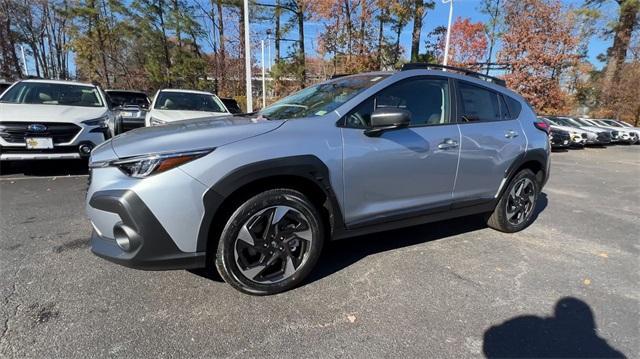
[165, 44]
[492, 35]
[380, 38]
[347, 11]
[222, 62]
[417, 28]
[277, 35]
[623, 30]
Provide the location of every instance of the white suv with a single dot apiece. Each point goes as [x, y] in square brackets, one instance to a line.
[46, 119]
[171, 105]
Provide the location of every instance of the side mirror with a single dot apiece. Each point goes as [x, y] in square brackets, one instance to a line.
[386, 119]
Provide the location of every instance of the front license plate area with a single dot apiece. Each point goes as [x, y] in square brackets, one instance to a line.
[39, 143]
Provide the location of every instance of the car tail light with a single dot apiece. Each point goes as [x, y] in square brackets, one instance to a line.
[542, 126]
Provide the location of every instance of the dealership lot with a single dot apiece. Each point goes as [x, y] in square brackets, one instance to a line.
[429, 291]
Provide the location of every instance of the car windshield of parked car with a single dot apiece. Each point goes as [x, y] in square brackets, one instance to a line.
[126, 98]
[320, 99]
[188, 101]
[42, 93]
[564, 122]
[610, 123]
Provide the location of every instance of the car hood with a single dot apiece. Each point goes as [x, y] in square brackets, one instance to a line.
[594, 129]
[190, 135]
[48, 113]
[176, 115]
[619, 129]
[568, 129]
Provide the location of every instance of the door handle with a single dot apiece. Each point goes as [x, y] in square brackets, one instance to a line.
[511, 134]
[448, 143]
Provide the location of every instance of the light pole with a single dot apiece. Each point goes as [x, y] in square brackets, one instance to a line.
[24, 61]
[264, 87]
[269, 48]
[247, 57]
[446, 46]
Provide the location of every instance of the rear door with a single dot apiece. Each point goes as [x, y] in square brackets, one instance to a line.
[491, 139]
[402, 172]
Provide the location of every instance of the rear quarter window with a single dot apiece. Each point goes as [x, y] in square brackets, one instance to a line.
[514, 107]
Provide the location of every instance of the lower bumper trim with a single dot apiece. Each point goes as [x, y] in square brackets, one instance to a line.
[38, 156]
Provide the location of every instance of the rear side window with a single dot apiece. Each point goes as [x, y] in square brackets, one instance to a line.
[514, 107]
[477, 104]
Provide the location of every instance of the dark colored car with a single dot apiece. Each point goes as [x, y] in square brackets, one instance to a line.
[231, 105]
[131, 108]
[559, 139]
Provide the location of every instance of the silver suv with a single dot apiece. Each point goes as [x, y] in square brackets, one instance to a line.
[257, 195]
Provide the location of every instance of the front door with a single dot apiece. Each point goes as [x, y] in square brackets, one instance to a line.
[405, 171]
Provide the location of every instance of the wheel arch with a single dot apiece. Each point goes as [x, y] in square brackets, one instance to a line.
[535, 160]
[307, 174]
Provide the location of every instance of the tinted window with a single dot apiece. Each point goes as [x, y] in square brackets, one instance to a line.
[187, 101]
[41, 93]
[478, 104]
[504, 111]
[514, 107]
[123, 98]
[426, 100]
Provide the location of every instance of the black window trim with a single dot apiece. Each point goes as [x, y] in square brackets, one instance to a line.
[459, 103]
[452, 110]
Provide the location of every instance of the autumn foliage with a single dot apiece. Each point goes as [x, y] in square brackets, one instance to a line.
[468, 43]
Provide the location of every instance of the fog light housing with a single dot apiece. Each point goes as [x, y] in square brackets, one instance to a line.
[126, 238]
[85, 149]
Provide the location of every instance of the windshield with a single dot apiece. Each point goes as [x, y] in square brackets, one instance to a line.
[564, 122]
[42, 93]
[320, 99]
[124, 98]
[188, 101]
[610, 123]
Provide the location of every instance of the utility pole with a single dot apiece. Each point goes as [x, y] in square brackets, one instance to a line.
[264, 87]
[247, 57]
[446, 46]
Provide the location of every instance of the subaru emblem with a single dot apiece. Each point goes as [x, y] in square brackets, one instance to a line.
[36, 127]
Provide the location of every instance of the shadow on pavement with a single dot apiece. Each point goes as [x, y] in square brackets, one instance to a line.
[569, 333]
[45, 168]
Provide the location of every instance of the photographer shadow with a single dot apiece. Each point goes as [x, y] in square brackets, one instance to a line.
[569, 333]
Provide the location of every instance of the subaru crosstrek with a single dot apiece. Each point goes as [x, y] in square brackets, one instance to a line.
[257, 195]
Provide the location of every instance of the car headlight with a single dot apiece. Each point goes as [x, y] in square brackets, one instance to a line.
[156, 122]
[102, 122]
[147, 165]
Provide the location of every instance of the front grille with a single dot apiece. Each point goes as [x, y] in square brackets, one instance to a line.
[614, 134]
[16, 132]
[584, 135]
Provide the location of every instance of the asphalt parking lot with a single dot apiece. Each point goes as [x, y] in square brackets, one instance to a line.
[569, 285]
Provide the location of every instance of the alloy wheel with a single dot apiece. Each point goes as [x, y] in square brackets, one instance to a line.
[521, 201]
[273, 244]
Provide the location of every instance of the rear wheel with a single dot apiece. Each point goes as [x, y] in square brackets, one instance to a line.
[270, 243]
[516, 207]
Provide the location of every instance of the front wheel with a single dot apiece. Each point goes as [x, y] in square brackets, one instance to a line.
[516, 207]
[270, 243]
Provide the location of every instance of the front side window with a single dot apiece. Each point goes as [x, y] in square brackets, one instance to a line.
[477, 104]
[187, 101]
[320, 99]
[426, 99]
[42, 93]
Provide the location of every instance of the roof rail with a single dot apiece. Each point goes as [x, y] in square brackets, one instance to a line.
[427, 66]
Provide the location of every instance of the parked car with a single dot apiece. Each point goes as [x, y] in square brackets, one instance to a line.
[623, 124]
[46, 119]
[577, 137]
[4, 85]
[257, 195]
[231, 105]
[131, 108]
[580, 135]
[603, 136]
[170, 105]
[626, 135]
[559, 139]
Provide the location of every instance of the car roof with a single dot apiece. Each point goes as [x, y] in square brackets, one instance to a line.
[129, 91]
[62, 82]
[186, 91]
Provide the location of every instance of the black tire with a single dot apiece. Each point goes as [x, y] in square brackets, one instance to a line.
[300, 217]
[505, 216]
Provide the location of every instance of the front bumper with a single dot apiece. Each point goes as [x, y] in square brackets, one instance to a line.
[149, 247]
